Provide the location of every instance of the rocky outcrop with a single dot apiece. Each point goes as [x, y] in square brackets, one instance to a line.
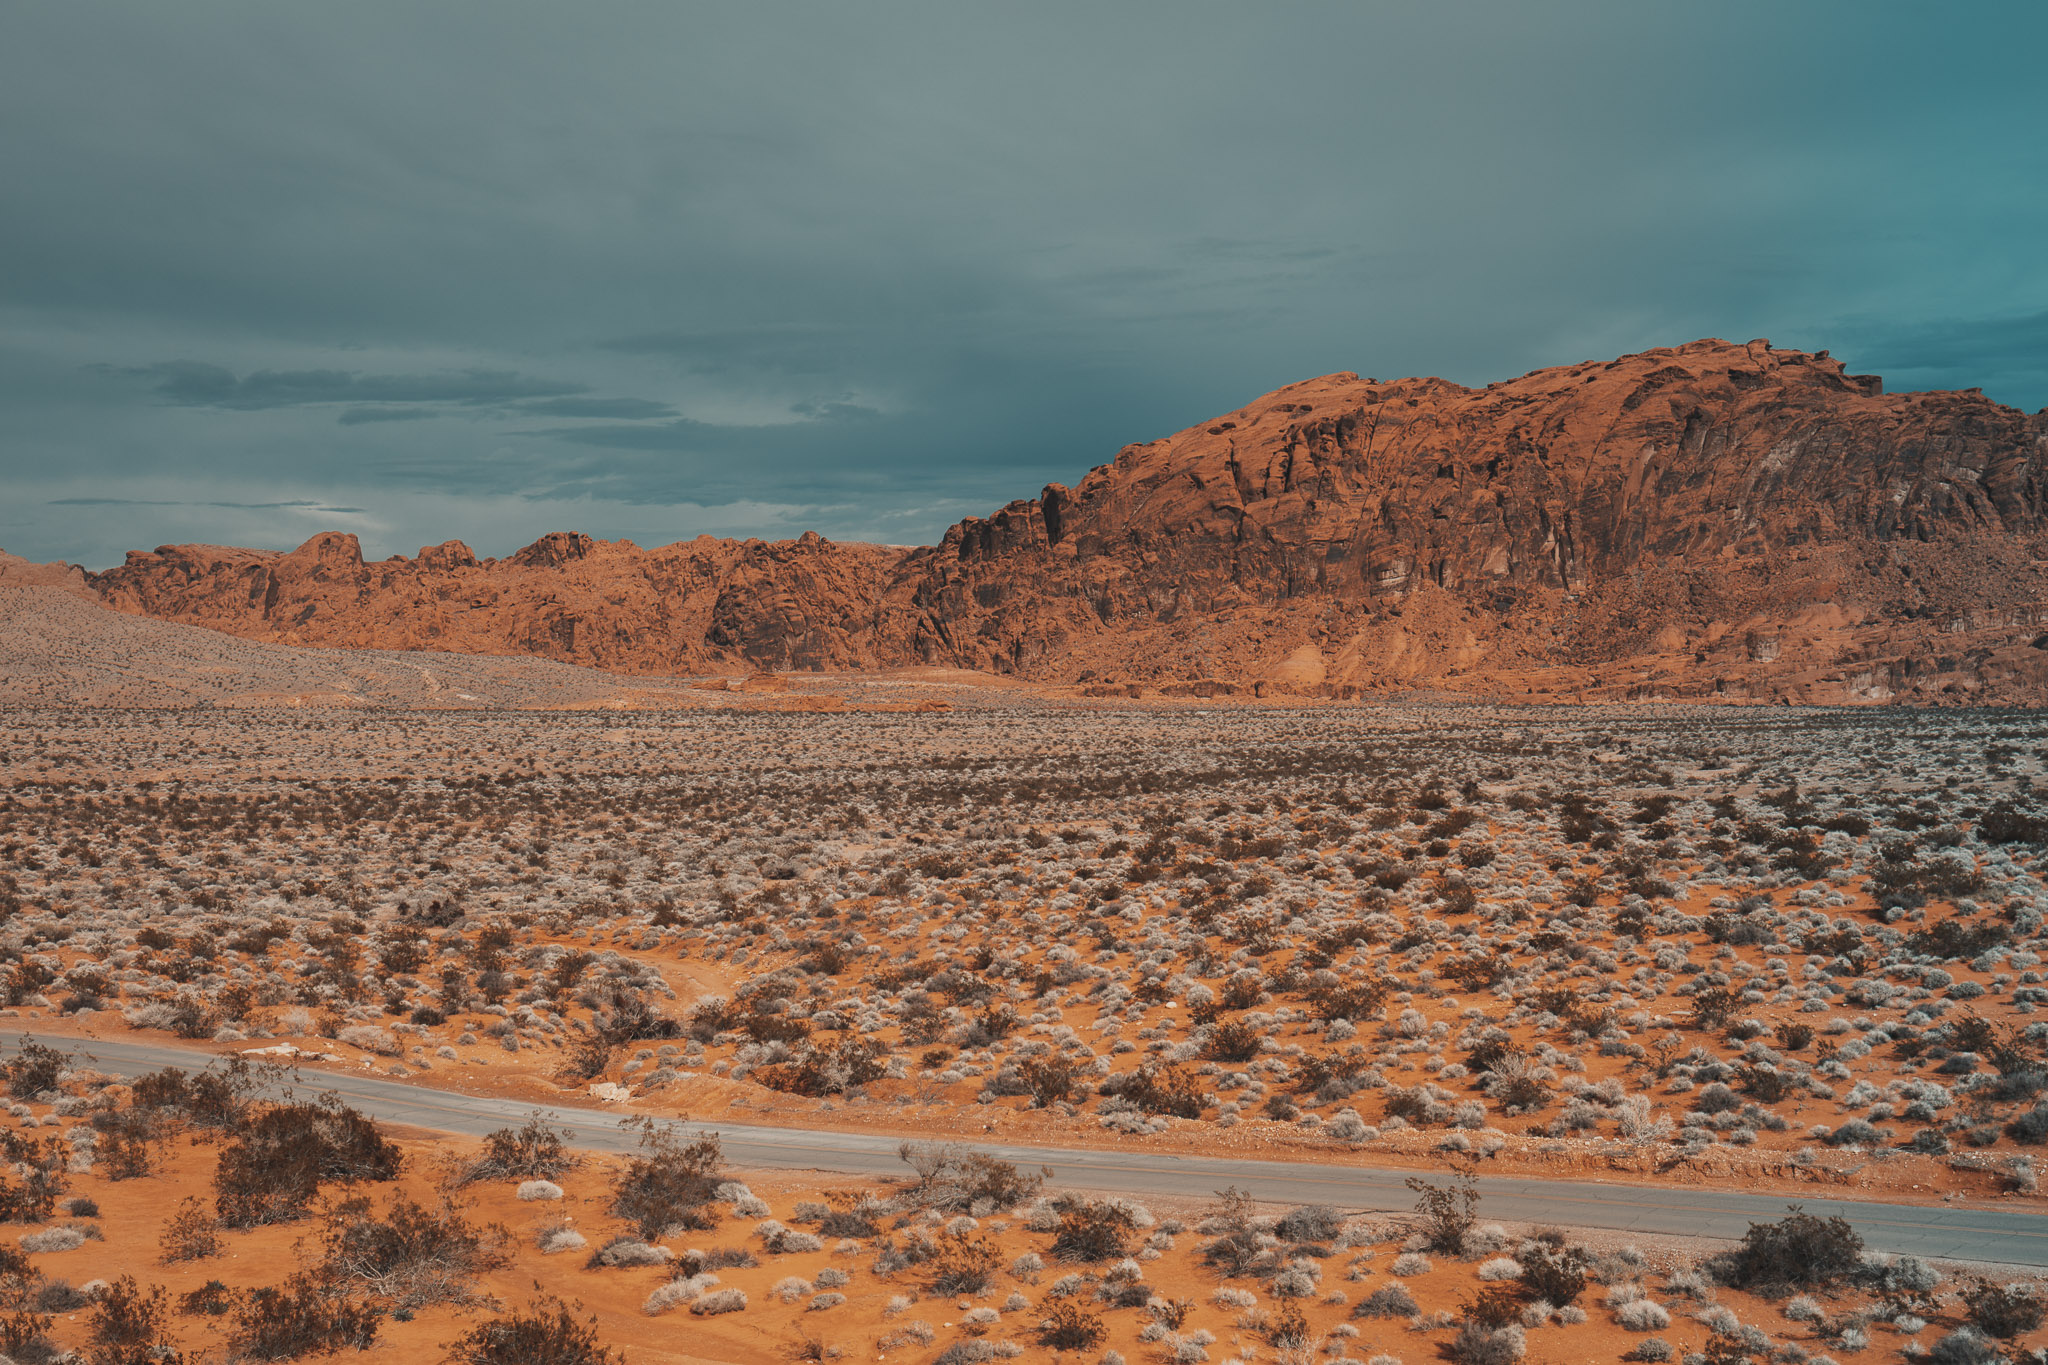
[1529, 537]
[605, 604]
[16, 572]
[1710, 520]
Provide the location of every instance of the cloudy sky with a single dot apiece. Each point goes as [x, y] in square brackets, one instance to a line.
[485, 270]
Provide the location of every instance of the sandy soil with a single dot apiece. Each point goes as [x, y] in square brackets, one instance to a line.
[133, 1212]
[1794, 951]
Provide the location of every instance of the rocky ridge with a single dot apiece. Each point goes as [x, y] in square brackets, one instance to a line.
[1704, 521]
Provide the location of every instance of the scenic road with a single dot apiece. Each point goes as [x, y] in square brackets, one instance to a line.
[2016, 1236]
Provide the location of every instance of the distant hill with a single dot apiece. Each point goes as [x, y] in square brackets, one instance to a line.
[1705, 521]
[58, 648]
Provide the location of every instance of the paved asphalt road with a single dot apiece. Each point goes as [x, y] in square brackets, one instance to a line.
[2009, 1236]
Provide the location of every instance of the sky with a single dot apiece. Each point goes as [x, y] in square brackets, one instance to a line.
[485, 270]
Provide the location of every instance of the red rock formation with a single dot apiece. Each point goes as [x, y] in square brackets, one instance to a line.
[568, 597]
[16, 572]
[1654, 507]
[1710, 520]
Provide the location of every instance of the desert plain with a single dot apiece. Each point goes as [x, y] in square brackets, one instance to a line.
[1769, 949]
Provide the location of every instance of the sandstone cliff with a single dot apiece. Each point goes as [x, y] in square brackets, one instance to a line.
[802, 604]
[16, 572]
[1710, 520]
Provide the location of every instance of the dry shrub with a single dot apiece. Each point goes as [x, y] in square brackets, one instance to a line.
[811, 1070]
[1067, 1326]
[1235, 1041]
[128, 1324]
[1237, 1248]
[211, 1300]
[34, 1197]
[950, 1176]
[273, 1172]
[2003, 1310]
[1478, 1344]
[308, 1313]
[962, 1264]
[190, 1234]
[24, 1335]
[547, 1333]
[719, 1301]
[671, 1183]
[1160, 1088]
[1448, 1211]
[1093, 1230]
[1798, 1249]
[1388, 1301]
[412, 1256]
[34, 1069]
[1557, 1275]
[536, 1150]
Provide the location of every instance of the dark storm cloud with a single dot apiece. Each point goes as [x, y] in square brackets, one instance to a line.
[823, 424]
[355, 417]
[1983, 346]
[598, 407]
[795, 350]
[490, 269]
[113, 502]
[679, 435]
[294, 504]
[202, 385]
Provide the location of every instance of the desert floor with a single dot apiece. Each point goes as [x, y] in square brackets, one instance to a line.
[1785, 950]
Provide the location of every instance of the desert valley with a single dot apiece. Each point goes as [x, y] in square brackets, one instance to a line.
[1284, 820]
[1707, 522]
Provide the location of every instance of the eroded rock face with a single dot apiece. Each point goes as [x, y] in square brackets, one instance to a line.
[1670, 506]
[608, 604]
[16, 572]
[1710, 520]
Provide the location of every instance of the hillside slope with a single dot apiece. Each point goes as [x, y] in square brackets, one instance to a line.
[1709, 520]
[58, 649]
